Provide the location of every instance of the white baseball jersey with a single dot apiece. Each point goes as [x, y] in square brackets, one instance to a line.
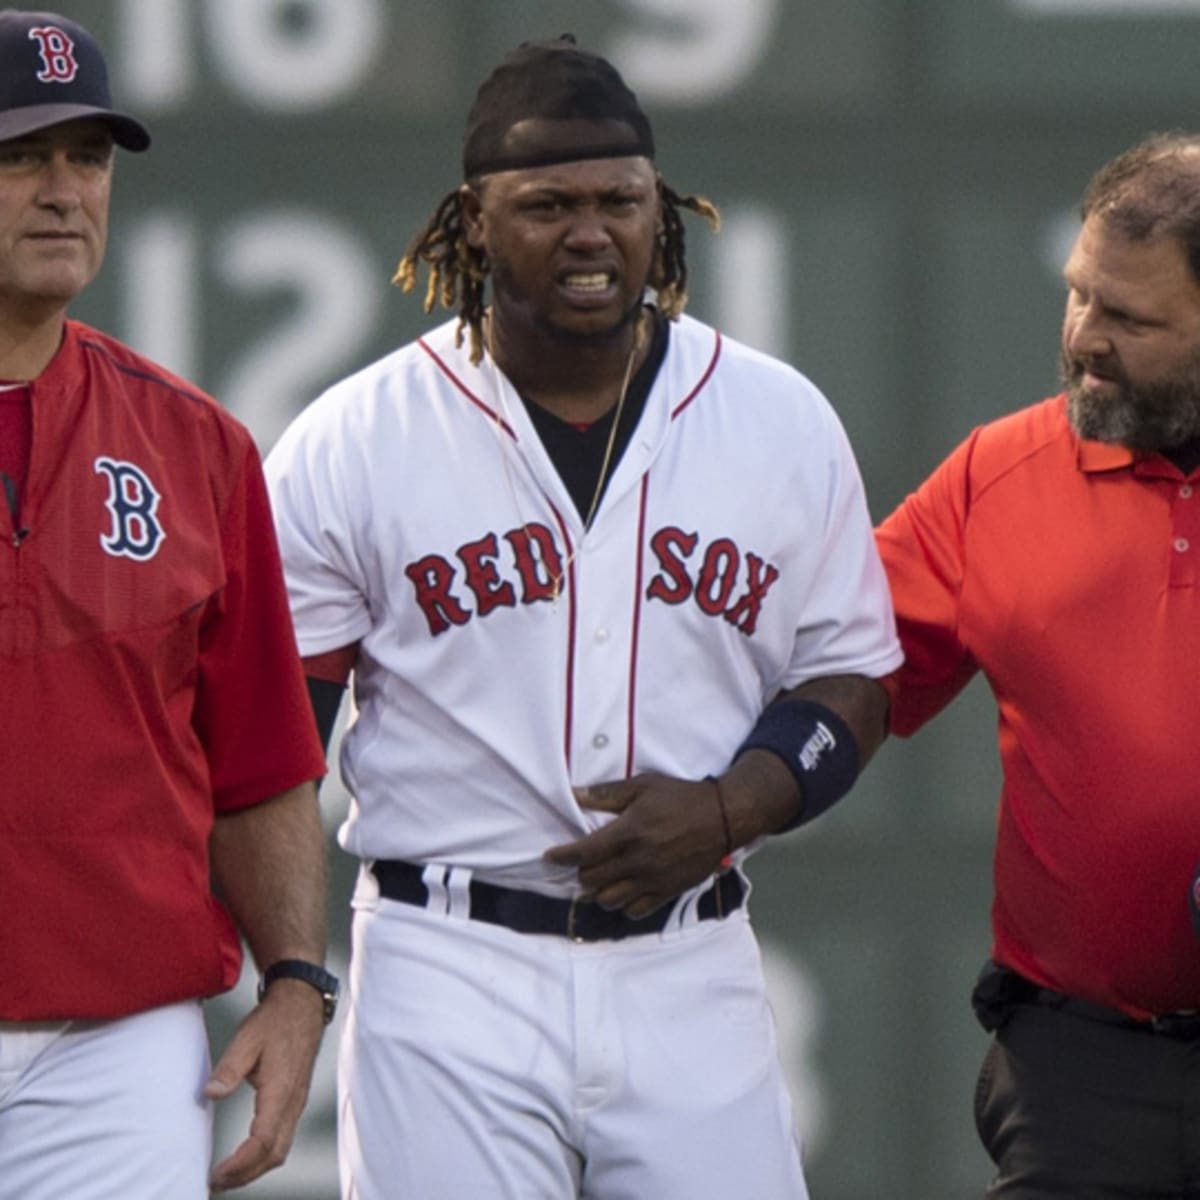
[506, 653]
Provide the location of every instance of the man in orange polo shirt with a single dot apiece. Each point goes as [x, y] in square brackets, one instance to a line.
[1056, 551]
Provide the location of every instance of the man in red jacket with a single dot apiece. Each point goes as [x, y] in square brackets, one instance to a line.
[155, 731]
[1057, 550]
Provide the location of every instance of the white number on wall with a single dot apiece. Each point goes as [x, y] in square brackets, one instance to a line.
[336, 286]
[690, 51]
[283, 55]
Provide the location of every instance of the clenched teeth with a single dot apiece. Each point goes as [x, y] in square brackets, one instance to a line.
[593, 282]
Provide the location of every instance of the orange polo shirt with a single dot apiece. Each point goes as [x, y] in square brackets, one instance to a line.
[1066, 572]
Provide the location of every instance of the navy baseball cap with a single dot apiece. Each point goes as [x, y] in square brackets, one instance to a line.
[52, 70]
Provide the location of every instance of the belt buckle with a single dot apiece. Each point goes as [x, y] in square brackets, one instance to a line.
[572, 909]
[1182, 1025]
[588, 922]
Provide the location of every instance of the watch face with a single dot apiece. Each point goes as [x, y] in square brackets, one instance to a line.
[330, 995]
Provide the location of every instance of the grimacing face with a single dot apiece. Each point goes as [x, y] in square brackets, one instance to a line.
[55, 186]
[1130, 357]
[570, 246]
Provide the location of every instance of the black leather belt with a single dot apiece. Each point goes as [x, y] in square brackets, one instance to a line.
[532, 912]
[999, 990]
[1183, 1025]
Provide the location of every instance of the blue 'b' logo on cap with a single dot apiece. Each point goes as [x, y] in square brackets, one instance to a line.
[132, 502]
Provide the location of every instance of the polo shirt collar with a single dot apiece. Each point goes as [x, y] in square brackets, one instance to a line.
[1094, 457]
[1103, 456]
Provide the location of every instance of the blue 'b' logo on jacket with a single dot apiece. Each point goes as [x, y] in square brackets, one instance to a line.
[132, 502]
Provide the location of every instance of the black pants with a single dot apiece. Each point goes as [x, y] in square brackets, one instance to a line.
[1071, 1107]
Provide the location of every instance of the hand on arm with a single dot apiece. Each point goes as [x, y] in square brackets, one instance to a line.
[268, 862]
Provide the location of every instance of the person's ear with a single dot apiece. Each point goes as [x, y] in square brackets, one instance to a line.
[472, 215]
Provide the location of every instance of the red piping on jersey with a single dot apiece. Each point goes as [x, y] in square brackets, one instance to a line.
[631, 717]
[637, 625]
[712, 366]
[492, 414]
[568, 585]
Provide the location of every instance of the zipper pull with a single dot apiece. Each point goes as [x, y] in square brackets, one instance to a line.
[20, 533]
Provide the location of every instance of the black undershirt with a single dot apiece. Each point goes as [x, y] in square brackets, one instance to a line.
[578, 454]
[326, 698]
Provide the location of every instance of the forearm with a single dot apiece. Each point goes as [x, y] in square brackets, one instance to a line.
[761, 792]
[760, 797]
[861, 702]
[269, 866]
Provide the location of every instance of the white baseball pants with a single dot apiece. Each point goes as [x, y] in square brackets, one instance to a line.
[106, 1110]
[503, 1066]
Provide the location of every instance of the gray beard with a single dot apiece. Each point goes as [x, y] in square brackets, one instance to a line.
[1143, 417]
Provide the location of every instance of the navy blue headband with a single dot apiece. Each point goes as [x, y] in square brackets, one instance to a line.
[550, 102]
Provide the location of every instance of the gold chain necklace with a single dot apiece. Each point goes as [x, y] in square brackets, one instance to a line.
[556, 578]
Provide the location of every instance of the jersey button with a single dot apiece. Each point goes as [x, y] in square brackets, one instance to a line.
[1182, 545]
[600, 741]
[1186, 491]
[601, 636]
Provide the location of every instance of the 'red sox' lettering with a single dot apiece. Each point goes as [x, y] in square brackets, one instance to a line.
[722, 581]
[720, 571]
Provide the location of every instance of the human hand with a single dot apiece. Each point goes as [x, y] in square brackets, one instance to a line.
[273, 1050]
[667, 837]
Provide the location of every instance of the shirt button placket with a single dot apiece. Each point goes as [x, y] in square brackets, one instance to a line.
[1185, 520]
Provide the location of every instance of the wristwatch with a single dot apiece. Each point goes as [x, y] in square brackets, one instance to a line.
[295, 968]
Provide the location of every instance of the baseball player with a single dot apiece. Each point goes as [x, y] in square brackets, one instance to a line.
[581, 554]
[1055, 551]
[154, 725]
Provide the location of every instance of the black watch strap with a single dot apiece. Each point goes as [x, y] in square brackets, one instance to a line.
[315, 976]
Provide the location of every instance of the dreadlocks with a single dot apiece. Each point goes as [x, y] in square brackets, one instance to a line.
[457, 269]
[670, 273]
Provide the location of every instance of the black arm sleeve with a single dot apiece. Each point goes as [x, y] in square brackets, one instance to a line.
[326, 699]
